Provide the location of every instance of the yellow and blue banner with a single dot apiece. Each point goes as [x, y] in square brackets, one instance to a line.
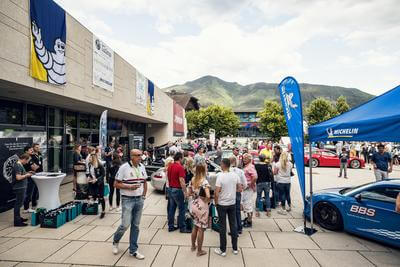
[48, 39]
[292, 108]
[150, 98]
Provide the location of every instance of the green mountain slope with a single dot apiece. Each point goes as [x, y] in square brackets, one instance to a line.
[212, 90]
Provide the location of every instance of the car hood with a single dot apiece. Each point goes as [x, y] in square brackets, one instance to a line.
[329, 191]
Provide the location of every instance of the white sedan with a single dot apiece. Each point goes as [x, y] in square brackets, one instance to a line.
[158, 178]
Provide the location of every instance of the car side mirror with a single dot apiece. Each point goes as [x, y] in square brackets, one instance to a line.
[358, 198]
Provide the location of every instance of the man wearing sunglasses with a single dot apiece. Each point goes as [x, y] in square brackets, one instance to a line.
[131, 180]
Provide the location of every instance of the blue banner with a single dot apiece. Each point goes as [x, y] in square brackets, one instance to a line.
[48, 40]
[150, 98]
[292, 107]
[103, 130]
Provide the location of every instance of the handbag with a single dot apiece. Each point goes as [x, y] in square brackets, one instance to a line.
[79, 167]
[106, 189]
[214, 219]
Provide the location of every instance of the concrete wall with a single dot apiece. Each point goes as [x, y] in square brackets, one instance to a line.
[14, 67]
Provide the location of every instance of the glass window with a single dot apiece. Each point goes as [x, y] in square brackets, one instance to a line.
[114, 124]
[10, 112]
[55, 159]
[95, 120]
[71, 137]
[84, 121]
[95, 139]
[386, 194]
[36, 115]
[70, 119]
[55, 137]
[56, 118]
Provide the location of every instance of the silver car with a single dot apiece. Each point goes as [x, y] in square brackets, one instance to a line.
[158, 178]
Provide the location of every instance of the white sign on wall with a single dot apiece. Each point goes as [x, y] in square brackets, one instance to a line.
[141, 83]
[103, 65]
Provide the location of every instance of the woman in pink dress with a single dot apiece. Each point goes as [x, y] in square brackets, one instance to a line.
[199, 189]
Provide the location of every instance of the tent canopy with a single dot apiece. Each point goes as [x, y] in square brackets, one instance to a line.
[376, 120]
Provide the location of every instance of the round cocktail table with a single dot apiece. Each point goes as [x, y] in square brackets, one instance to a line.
[48, 184]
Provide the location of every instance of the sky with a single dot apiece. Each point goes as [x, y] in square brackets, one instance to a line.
[350, 43]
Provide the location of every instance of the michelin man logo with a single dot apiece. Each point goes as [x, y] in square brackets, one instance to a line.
[329, 131]
[289, 99]
[53, 62]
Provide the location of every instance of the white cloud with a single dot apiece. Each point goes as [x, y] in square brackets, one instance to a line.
[364, 34]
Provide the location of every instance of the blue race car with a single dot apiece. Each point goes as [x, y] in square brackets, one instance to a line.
[367, 210]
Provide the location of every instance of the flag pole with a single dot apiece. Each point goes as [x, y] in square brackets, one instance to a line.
[311, 189]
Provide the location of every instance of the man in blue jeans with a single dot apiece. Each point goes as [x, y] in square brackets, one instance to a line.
[177, 194]
[243, 185]
[131, 180]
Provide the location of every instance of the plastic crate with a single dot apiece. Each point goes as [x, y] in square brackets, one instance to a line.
[52, 220]
[90, 209]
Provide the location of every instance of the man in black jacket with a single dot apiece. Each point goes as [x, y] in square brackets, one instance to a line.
[31, 194]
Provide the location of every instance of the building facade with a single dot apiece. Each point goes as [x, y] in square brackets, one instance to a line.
[249, 123]
[60, 116]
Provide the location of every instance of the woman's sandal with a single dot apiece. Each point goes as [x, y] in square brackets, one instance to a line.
[201, 253]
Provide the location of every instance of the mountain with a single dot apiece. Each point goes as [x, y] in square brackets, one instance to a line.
[212, 90]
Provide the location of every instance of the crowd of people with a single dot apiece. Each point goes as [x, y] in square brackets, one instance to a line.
[242, 179]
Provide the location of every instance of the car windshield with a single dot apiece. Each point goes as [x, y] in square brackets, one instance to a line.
[350, 189]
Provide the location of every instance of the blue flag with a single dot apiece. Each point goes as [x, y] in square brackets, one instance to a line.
[292, 107]
[103, 130]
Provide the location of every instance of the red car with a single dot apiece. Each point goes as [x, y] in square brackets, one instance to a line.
[327, 158]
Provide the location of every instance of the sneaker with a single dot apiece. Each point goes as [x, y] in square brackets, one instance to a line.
[218, 251]
[282, 212]
[24, 219]
[119, 209]
[235, 252]
[268, 213]
[288, 209]
[172, 229]
[102, 215]
[115, 248]
[185, 231]
[110, 208]
[137, 255]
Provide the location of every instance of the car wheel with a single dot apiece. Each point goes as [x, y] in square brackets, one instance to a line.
[315, 163]
[355, 164]
[328, 216]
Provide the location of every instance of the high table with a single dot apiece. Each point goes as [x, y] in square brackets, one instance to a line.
[48, 184]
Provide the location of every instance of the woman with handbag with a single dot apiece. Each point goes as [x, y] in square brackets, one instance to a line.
[199, 189]
[96, 173]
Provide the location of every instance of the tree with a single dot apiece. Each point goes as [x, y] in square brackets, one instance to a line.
[272, 120]
[320, 110]
[219, 118]
[192, 119]
[341, 105]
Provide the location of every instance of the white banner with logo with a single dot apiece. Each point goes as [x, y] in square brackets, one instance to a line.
[141, 83]
[103, 65]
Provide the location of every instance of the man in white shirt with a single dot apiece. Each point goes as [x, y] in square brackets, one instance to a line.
[131, 180]
[225, 199]
[243, 186]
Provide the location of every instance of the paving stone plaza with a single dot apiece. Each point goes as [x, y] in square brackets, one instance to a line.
[87, 240]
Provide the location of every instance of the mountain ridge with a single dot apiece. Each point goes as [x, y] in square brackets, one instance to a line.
[213, 90]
